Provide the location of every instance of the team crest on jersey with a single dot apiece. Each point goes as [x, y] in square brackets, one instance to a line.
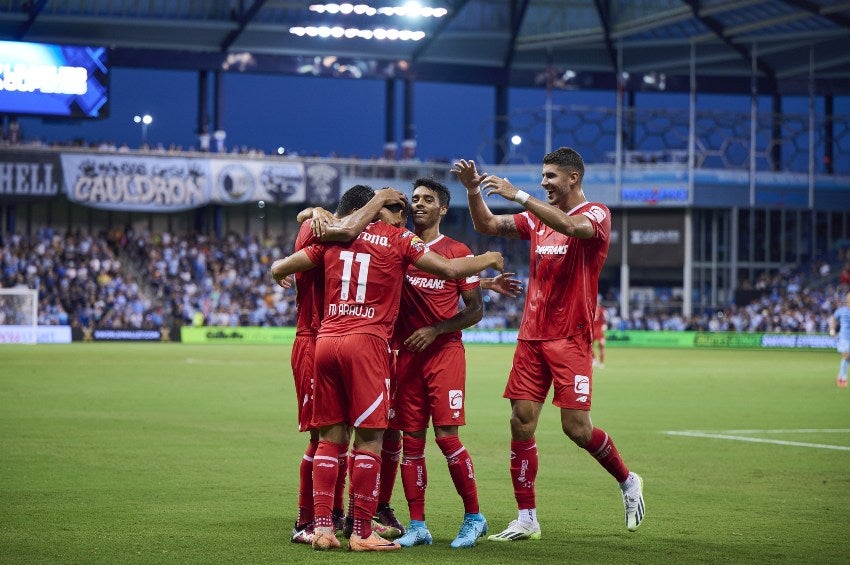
[596, 213]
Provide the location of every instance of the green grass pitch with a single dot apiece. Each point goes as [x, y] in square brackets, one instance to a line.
[172, 453]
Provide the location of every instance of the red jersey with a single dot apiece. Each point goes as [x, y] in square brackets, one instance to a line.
[427, 299]
[563, 275]
[309, 288]
[363, 279]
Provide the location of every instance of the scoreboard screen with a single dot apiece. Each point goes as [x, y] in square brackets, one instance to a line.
[53, 80]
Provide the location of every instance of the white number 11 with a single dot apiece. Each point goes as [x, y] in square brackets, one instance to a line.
[348, 259]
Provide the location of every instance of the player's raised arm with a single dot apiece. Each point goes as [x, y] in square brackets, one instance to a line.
[574, 226]
[482, 218]
[351, 225]
[460, 267]
[295, 263]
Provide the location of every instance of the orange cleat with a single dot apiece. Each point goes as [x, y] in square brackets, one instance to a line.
[372, 543]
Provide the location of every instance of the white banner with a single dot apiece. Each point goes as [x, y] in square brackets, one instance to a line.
[238, 181]
[136, 183]
[35, 334]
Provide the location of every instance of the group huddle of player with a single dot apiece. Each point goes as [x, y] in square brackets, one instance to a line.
[378, 352]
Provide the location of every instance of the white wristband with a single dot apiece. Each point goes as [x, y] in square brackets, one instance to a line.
[473, 192]
[522, 197]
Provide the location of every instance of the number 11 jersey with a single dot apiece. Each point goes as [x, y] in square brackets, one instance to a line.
[363, 279]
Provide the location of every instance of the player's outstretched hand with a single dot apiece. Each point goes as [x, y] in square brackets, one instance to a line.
[467, 174]
[504, 284]
[500, 186]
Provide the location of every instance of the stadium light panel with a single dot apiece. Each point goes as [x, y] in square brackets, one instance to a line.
[410, 9]
[352, 33]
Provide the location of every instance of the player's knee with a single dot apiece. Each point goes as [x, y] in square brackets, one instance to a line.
[577, 432]
[521, 428]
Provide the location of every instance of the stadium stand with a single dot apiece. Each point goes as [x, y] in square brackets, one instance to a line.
[125, 278]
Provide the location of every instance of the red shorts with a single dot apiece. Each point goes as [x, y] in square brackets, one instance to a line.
[430, 387]
[538, 365]
[352, 381]
[303, 366]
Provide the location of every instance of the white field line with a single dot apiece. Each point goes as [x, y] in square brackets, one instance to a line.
[731, 437]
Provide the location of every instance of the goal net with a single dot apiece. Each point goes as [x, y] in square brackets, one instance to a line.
[19, 307]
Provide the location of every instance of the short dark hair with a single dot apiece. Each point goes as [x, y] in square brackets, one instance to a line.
[354, 198]
[443, 194]
[567, 158]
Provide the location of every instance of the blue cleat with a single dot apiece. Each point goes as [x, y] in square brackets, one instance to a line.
[417, 534]
[474, 526]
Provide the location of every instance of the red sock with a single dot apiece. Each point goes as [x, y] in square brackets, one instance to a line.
[524, 472]
[603, 450]
[325, 470]
[339, 491]
[414, 476]
[365, 485]
[461, 470]
[390, 453]
[305, 485]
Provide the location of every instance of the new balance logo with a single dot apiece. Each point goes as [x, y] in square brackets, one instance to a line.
[581, 399]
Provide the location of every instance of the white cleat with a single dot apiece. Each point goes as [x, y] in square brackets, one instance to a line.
[633, 503]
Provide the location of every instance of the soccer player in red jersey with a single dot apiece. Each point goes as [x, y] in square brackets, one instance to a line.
[431, 370]
[600, 326]
[361, 301]
[357, 208]
[386, 523]
[569, 243]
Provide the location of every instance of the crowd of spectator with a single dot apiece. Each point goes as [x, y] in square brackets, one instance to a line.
[201, 281]
[80, 280]
[791, 300]
[139, 280]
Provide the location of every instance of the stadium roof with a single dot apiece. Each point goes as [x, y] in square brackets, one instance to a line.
[567, 43]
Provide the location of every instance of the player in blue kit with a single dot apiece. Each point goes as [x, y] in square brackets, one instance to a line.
[841, 319]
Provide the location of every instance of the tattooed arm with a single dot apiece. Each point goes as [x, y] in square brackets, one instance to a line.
[482, 218]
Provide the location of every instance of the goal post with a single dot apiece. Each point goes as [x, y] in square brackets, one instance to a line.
[19, 307]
